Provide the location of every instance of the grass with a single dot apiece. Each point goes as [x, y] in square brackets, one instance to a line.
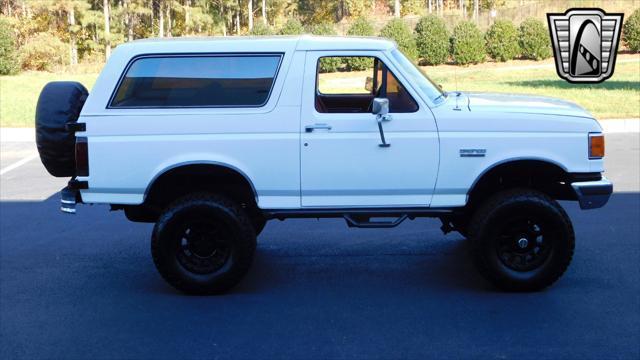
[618, 97]
[19, 95]
[615, 98]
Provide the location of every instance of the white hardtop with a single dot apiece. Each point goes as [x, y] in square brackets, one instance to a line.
[254, 44]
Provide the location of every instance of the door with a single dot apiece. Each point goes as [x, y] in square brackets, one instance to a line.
[342, 162]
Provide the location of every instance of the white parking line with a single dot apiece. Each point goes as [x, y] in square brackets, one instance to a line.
[18, 164]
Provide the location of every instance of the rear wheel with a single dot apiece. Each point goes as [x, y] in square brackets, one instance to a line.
[203, 244]
[522, 240]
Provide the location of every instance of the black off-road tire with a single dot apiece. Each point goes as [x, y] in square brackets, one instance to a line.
[546, 228]
[59, 104]
[191, 228]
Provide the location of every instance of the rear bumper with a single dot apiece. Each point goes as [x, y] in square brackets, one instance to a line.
[593, 194]
[70, 196]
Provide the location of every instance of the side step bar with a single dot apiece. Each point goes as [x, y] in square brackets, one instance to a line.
[365, 222]
[357, 214]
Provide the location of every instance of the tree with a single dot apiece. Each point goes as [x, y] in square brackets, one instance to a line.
[476, 9]
[432, 40]
[399, 32]
[502, 40]
[107, 34]
[292, 27]
[631, 31]
[8, 60]
[534, 40]
[264, 12]
[467, 44]
[250, 14]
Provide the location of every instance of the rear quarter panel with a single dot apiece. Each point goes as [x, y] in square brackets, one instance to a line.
[129, 148]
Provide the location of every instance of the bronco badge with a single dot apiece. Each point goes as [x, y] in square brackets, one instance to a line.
[585, 42]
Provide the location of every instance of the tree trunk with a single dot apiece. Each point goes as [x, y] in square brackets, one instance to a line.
[161, 21]
[476, 10]
[264, 12]
[223, 15]
[169, 19]
[250, 13]
[128, 20]
[73, 60]
[107, 31]
[396, 8]
[462, 9]
[430, 6]
[187, 16]
[238, 19]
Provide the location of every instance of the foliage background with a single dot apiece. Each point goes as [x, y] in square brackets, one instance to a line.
[47, 40]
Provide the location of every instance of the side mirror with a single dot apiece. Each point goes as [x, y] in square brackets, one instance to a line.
[380, 106]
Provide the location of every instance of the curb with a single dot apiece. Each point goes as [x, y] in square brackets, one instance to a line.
[610, 126]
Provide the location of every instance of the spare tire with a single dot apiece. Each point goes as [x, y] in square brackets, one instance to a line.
[59, 104]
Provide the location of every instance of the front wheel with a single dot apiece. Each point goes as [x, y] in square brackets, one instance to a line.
[522, 240]
[203, 244]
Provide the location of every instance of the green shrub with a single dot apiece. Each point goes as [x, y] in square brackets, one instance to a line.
[8, 59]
[432, 40]
[398, 31]
[327, 64]
[330, 64]
[292, 27]
[535, 43]
[43, 52]
[631, 31]
[360, 27]
[261, 29]
[467, 44]
[502, 40]
[323, 29]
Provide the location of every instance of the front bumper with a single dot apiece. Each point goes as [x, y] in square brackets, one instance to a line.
[593, 194]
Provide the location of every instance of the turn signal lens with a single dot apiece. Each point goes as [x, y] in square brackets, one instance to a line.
[596, 146]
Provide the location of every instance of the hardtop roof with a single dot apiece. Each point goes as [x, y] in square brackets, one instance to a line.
[257, 43]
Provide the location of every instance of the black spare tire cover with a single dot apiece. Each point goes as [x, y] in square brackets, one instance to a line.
[59, 104]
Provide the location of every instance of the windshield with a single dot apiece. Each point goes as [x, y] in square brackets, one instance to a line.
[428, 87]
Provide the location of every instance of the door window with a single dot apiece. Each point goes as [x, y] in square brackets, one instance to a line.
[348, 84]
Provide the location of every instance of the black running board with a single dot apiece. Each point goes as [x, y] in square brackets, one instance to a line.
[356, 213]
[365, 222]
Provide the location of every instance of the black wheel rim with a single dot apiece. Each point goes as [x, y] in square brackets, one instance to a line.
[524, 243]
[203, 247]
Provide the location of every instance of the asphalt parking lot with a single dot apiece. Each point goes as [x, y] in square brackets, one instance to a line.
[84, 286]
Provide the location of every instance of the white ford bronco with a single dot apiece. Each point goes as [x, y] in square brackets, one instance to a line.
[211, 138]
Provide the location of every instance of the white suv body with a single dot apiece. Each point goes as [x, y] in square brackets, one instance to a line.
[341, 167]
[402, 148]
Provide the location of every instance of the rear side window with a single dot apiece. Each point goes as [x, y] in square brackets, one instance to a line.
[198, 81]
